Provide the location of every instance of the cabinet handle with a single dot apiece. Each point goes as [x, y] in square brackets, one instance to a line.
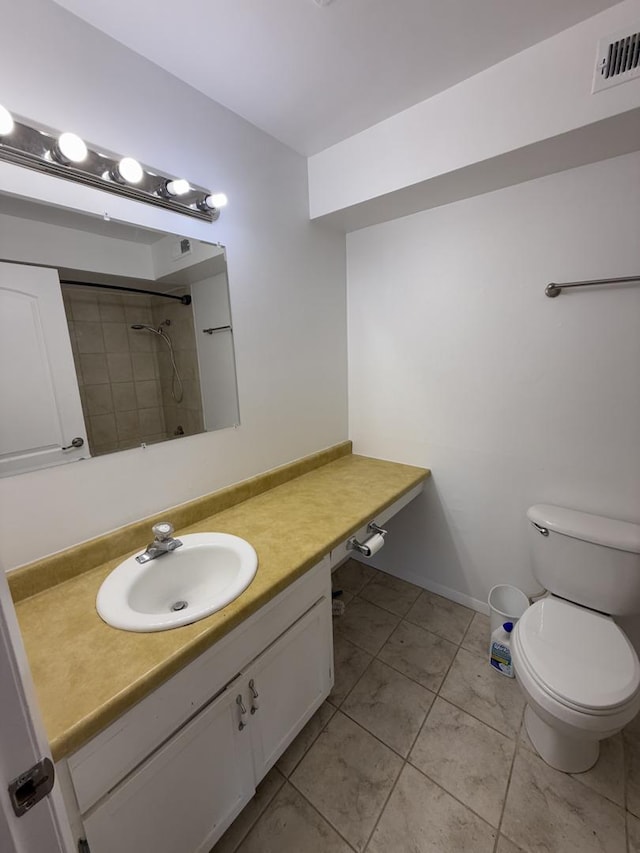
[255, 702]
[243, 712]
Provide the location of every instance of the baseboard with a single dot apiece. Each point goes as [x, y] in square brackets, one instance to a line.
[439, 589]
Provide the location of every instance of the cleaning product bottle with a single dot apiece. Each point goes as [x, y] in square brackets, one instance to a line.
[500, 655]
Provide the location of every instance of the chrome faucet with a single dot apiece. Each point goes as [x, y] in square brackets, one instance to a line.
[163, 542]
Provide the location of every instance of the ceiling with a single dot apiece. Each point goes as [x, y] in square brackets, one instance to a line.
[311, 75]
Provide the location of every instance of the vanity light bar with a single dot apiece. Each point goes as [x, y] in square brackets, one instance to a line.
[66, 155]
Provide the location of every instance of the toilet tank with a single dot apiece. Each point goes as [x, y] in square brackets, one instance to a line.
[587, 559]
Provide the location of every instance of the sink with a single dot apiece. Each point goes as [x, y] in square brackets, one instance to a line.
[208, 572]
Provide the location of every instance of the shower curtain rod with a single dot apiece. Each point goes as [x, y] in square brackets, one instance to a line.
[186, 299]
[555, 289]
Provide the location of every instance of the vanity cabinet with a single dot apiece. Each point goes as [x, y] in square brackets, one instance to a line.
[285, 683]
[172, 773]
[177, 800]
[276, 670]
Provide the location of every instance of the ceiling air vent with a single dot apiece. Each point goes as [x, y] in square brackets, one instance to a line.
[618, 59]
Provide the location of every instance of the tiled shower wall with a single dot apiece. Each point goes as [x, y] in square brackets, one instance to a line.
[122, 373]
[184, 417]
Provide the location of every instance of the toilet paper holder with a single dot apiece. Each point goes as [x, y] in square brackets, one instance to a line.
[362, 547]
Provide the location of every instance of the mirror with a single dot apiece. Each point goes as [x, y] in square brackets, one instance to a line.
[112, 336]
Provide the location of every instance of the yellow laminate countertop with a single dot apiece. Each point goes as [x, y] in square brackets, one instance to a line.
[87, 674]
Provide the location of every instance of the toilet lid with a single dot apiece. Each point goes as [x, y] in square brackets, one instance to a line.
[580, 656]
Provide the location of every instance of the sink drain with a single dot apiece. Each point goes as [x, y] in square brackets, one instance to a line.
[179, 605]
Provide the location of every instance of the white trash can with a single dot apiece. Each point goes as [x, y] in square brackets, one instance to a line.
[506, 604]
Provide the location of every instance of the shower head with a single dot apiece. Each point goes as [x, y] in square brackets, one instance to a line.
[139, 326]
[177, 395]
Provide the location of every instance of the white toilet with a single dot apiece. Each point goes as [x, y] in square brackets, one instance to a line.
[578, 671]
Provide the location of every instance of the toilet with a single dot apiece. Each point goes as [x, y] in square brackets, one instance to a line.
[578, 671]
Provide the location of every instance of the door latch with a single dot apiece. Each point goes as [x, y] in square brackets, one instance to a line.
[32, 786]
[75, 442]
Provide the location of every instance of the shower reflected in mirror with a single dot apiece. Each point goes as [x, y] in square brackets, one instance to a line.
[135, 310]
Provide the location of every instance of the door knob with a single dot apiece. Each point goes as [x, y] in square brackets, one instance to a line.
[75, 442]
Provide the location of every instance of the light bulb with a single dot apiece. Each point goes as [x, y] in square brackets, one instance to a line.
[130, 170]
[6, 121]
[216, 200]
[71, 148]
[212, 201]
[177, 187]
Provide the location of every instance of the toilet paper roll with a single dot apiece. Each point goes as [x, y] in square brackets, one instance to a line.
[374, 544]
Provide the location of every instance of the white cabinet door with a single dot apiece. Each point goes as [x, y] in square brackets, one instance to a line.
[41, 409]
[291, 679]
[184, 797]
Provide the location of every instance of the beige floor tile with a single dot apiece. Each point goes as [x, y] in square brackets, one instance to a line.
[548, 810]
[607, 777]
[349, 662]
[391, 593]
[347, 775]
[466, 757]
[291, 825]
[346, 596]
[441, 616]
[290, 758]
[633, 833]
[366, 625]
[352, 576]
[422, 818]
[634, 726]
[265, 792]
[474, 686]
[418, 654]
[478, 635]
[506, 846]
[389, 705]
[632, 767]
[524, 739]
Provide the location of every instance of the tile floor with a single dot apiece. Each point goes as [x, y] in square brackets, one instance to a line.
[421, 749]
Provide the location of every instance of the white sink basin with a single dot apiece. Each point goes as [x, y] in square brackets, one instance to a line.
[208, 572]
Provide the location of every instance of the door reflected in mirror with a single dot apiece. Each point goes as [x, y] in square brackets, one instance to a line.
[111, 337]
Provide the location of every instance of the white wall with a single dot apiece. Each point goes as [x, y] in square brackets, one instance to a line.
[540, 94]
[458, 361]
[287, 279]
[24, 240]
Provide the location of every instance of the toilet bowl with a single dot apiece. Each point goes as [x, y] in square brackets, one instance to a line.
[578, 671]
[580, 677]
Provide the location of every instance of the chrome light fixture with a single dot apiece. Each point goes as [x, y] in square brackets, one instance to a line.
[6, 121]
[66, 155]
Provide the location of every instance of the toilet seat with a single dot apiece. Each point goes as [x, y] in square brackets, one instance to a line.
[579, 658]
